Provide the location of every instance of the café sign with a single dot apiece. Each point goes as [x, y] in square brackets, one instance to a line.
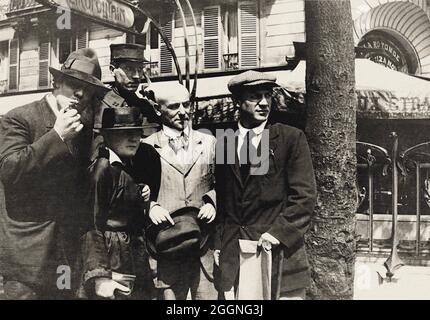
[109, 11]
[386, 51]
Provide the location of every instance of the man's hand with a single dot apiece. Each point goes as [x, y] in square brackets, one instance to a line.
[68, 123]
[267, 241]
[145, 192]
[216, 256]
[120, 77]
[105, 288]
[159, 215]
[207, 212]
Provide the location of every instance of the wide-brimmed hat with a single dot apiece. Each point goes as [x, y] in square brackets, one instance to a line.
[127, 51]
[82, 65]
[251, 78]
[121, 118]
[188, 234]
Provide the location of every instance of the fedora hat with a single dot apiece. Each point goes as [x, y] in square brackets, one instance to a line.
[187, 234]
[121, 118]
[82, 65]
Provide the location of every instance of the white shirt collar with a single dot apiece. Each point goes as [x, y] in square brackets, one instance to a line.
[113, 157]
[257, 130]
[174, 133]
[52, 102]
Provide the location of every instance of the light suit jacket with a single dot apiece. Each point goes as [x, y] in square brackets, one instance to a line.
[186, 184]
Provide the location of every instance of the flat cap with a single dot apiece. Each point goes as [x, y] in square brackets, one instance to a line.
[251, 78]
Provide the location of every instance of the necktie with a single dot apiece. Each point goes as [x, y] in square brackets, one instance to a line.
[179, 142]
[247, 151]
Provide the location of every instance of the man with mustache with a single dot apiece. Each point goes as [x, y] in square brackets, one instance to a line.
[187, 180]
[269, 201]
[127, 67]
[44, 151]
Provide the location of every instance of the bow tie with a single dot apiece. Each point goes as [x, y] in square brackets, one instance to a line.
[179, 142]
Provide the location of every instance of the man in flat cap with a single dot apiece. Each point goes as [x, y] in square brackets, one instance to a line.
[266, 193]
[187, 180]
[127, 67]
[44, 150]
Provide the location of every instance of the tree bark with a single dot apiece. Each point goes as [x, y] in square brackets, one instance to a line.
[331, 131]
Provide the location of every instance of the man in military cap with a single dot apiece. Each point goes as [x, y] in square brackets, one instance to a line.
[269, 201]
[127, 67]
[44, 150]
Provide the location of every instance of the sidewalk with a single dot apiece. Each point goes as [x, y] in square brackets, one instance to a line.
[410, 282]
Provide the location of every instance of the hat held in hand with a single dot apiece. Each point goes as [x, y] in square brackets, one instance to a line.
[185, 235]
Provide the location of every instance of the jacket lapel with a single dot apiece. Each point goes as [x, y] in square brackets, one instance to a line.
[273, 144]
[197, 148]
[48, 115]
[165, 152]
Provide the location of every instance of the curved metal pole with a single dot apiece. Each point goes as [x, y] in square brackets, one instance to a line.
[187, 48]
[165, 39]
[196, 71]
[394, 262]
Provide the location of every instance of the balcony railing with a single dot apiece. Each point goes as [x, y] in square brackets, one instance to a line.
[231, 61]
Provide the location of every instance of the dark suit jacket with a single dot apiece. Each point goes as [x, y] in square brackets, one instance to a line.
[44, 185]
[280, 202]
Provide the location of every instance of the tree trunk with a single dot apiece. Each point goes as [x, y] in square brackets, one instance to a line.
[331, 131]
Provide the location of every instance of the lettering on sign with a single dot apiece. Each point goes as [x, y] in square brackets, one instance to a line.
[386, 50]
[110, 11]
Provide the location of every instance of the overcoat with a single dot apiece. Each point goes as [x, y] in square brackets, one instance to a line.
[280, 202]
[44, 187]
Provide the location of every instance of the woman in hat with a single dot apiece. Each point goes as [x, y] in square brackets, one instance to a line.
[112, 264]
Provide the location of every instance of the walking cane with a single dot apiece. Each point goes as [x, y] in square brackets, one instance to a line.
[279, 275]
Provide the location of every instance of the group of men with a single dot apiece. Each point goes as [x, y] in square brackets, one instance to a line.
[187, 181]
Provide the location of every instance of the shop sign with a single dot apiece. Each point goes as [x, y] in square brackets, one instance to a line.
[385, 52]
[112, 12]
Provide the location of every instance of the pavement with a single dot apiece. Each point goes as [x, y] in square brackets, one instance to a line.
[409, 282]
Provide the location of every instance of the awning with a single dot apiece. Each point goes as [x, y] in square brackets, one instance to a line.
[10, 102]
[382, 93]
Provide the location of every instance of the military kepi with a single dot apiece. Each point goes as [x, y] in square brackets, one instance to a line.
[127, 51]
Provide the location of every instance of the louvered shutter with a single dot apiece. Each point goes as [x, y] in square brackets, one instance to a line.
[13, 64]
[166, 63]
[44, 55]
[82, 39]
[211, 29]
[248, 34]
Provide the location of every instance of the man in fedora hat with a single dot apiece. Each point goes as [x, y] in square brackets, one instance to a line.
[271, 200]
[187, 180]
[44, 150]
[127, 61]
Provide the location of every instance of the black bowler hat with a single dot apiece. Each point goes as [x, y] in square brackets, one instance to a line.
[187, 235]
[127, 51]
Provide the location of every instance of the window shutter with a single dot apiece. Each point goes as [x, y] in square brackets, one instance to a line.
[13, 64]
[44, 56]
[211, 29]
[248, 34]
[166, 63]
[81, 39]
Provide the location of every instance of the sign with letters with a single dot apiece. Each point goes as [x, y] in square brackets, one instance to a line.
[112, 12]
